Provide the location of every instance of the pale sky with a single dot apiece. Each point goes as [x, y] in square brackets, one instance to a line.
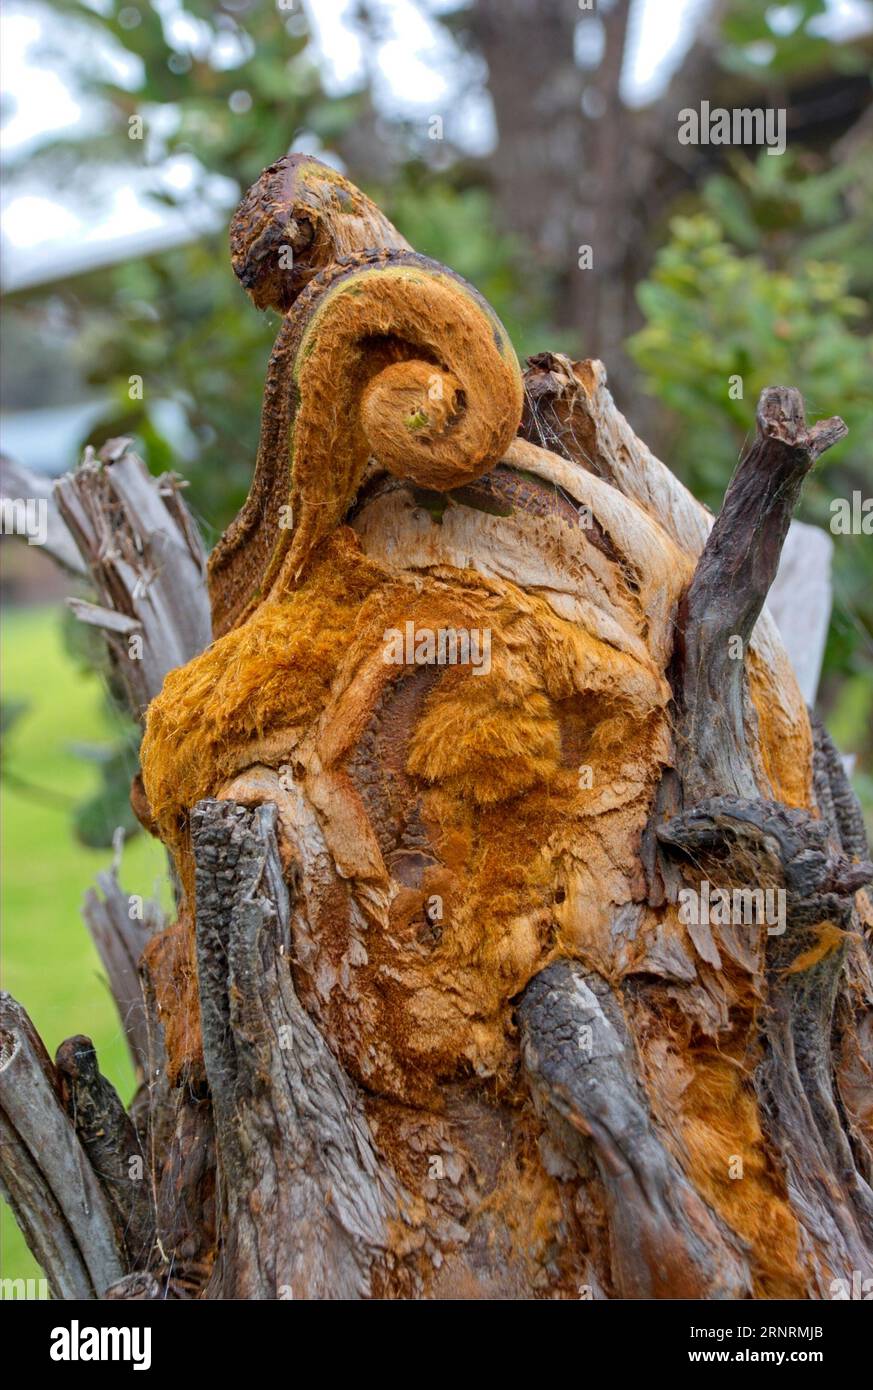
[415, 72]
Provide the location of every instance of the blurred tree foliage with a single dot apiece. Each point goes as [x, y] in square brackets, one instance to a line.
[221, 89]
[781, 40]
[767, 275]
[767, 283]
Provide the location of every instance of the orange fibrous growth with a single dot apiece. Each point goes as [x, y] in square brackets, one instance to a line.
[274, 672]
[509, 776]
[429, 388]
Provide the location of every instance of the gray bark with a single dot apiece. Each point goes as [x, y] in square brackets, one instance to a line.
[45, 1175]
[303, 1205]
[147, 564]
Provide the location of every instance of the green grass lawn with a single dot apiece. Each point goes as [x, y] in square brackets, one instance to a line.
[47, 960]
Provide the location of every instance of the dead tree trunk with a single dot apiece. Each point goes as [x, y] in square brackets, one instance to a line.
[540, 976]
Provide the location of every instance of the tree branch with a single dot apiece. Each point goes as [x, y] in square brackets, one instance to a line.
[54, 1192]
[579, 1057]
[303, 1204]
[728, 591]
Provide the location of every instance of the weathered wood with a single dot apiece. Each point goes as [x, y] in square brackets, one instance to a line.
[728, 833]
[41, 1218]
[835, 796]
[17, 484]
[52, 1188]
[570, 411]
[576, 1049]
[137, 1288]
[303, 1204]
[182, 1149]
[120, 939]
[146, 561]
[114, 1149]
[516, 1094]
[133, 537]
[727, 594]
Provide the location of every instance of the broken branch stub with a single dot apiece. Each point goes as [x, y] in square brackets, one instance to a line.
[579, 1057]
[120, 939]
[728, 591]
[114, 1149]
[146, 561]
[45, 1175]
[282, 1104]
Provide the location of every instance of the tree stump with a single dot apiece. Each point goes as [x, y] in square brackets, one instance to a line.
[524, 948]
